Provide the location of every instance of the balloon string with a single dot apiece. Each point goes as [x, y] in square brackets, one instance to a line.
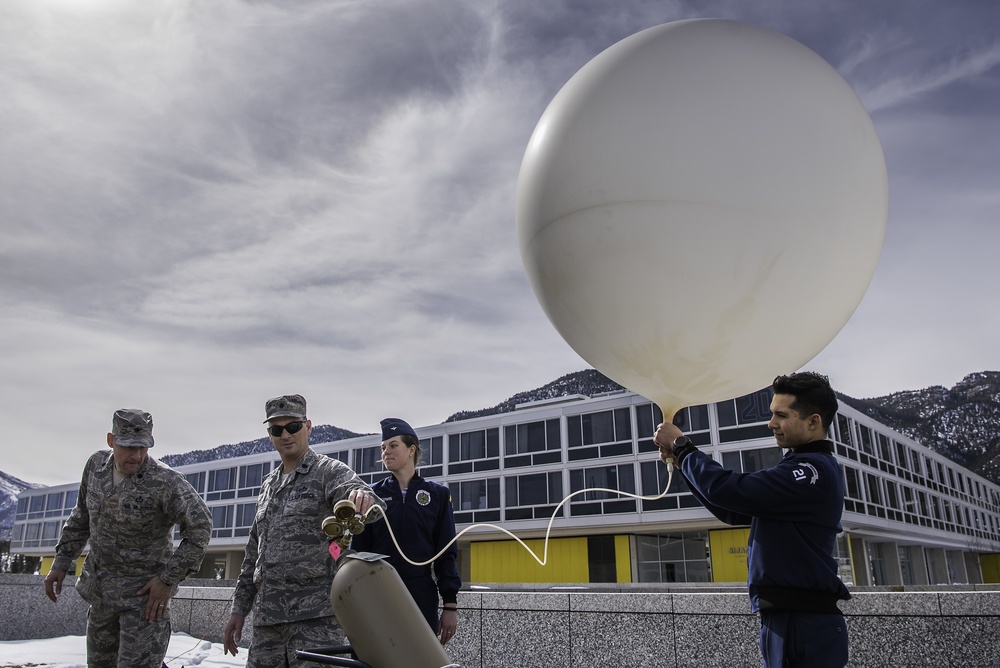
[545, 551]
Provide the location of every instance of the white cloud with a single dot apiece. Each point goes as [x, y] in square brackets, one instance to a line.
[203, 205]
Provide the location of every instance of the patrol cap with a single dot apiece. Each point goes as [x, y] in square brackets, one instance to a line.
[289, 405]
[395, 427]
[132, 428]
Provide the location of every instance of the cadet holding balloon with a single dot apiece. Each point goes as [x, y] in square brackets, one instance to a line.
[699, 165]
[794, 510]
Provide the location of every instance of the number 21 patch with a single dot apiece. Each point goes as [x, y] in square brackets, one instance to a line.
[805, 472]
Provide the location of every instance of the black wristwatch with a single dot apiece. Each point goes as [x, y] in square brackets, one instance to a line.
[682, 447]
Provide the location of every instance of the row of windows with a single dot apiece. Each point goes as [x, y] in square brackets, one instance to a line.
[595, 492]
[865, 445]
[877, 496]
[54, 504]
[233, 482]
[36, 534]
[609, 433]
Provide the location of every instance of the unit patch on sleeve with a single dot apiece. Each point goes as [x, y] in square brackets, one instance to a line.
[801, 474]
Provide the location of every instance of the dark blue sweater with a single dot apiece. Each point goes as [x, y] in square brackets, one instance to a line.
[794, 510]
[423, 523]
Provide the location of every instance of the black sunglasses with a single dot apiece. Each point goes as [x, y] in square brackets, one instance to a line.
[292, 428]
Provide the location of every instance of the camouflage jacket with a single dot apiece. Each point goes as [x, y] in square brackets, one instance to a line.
[287, 570]
[130, 529]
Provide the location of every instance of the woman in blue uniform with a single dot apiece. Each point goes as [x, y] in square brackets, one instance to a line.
[420, 514]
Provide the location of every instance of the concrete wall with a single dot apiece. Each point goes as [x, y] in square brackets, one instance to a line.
[614, 625]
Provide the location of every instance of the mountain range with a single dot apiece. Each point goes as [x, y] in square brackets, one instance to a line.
[962, 423]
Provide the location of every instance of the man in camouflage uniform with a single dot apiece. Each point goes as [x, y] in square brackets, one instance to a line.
[288, 570]
[127, 508]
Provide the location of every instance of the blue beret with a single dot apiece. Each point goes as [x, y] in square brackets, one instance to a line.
[396, 427]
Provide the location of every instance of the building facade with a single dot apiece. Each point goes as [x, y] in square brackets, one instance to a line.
[571, 490]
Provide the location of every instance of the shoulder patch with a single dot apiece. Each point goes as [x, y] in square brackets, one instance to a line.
[805, 473]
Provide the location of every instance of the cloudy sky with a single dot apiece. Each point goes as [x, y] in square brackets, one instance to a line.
[206, 204]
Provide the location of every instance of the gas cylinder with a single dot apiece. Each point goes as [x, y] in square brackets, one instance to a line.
[381, 620]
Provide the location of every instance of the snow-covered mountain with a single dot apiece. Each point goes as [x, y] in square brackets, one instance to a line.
[323, 433]
[588, 382]
[962, 423]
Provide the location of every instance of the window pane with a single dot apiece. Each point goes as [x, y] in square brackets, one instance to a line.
[727, 413]
[575, 431]
[698, 416]
[197, 481]
[531, 437]
[598, 428]
[555, 487]
[853, 490]
[369, 459]
[552, 439]
[50, 531]
[221, 479]
[533, 490]
[623, 424]
[221, 517]
[647, 416]
[245, 513]
[511, 487]
[473, 445]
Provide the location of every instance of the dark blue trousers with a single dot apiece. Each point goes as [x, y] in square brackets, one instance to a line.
[791, 639]
[424, 592]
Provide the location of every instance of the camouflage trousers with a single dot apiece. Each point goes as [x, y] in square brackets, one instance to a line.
[274, 645]
[126, 639]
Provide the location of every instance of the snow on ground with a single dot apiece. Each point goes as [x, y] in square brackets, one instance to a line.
[71, 652]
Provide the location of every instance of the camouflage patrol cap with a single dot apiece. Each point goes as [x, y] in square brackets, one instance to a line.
[132, 428]
[289, 405]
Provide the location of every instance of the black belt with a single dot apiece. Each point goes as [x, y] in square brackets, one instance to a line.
[800, 600]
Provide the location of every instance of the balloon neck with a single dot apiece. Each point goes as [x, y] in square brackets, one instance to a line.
[669, 411]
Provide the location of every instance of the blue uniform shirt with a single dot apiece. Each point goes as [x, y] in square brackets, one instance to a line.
[794, 510]
[423, 522]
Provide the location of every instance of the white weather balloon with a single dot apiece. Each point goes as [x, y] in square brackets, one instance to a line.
[701, 207]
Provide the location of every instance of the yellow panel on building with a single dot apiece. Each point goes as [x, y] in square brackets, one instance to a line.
[46, 565]
[729, 554]
[623, 559]
[990, 564]
[508, 561]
